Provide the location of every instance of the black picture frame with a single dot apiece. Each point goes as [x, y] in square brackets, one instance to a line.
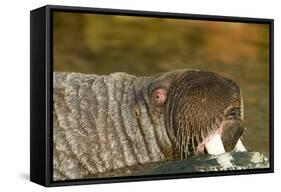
[41, 61]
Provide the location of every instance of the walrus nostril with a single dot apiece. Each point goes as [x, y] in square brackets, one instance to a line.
[233, 112]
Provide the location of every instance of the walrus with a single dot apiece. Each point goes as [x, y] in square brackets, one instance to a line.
[117, 124]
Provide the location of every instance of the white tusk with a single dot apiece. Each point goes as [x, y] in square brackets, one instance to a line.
[215, 146]
[239, 146]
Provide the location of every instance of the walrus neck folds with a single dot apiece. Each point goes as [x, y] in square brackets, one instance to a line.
[150, 115]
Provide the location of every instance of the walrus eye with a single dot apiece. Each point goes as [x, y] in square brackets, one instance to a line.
[159, 96]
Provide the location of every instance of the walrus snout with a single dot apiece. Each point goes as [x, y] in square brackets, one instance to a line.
[205, 113]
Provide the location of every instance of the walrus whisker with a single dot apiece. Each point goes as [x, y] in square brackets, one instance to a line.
[186, 137]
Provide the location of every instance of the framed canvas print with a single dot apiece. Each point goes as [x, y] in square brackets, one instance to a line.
[122, 95]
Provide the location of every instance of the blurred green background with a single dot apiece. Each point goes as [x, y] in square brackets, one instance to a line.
[102, 44]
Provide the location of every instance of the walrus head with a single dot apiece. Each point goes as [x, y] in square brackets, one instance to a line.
[203, 111]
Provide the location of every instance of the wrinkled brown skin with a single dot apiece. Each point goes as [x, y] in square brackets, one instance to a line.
[109, 125]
